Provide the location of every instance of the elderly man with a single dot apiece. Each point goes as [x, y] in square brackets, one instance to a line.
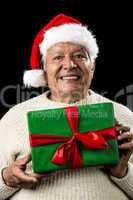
[63, 57]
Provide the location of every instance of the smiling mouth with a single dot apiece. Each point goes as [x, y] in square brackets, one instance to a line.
[70, 77]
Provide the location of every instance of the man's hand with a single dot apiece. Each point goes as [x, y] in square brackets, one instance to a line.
[15, 176]
[125, 141]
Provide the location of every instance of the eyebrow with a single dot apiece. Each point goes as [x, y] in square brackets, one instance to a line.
[80, 49]
[83, 50]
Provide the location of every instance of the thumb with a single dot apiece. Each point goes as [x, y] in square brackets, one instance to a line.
[25, 159]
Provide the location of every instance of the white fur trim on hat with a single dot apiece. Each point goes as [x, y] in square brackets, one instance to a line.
[34, 78]
[74, 33]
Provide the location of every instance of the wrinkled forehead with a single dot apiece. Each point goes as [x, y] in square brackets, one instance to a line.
[66, 48]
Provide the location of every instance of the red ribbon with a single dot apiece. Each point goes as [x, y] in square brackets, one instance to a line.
[69, 150]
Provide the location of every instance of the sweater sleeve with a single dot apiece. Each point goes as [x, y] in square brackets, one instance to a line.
[125, 116]
[5, 191]
[126, 183]
[7, 154]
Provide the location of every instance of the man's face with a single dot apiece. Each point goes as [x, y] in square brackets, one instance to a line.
[69, 70]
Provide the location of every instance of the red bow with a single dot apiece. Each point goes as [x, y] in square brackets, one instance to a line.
[69, 150]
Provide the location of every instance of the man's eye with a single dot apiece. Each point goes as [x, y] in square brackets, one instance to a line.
[79, 56]
[58, 57]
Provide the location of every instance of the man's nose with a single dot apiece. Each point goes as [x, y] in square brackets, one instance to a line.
[68, 63]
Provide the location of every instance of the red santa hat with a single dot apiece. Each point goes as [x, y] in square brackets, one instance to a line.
[61, 28]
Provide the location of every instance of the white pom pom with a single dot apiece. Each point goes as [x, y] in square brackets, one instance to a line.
[34, 78]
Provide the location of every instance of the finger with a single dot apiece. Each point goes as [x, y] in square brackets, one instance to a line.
[125, 158]
[26, 185]
[123, 161]
[42, 175]
[126, 135]
[122, 129]
[23, 177]
[15, 181]
[19, 184]
[24, 160]
[127, 146]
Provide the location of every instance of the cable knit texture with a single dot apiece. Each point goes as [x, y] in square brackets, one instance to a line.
[81, 184]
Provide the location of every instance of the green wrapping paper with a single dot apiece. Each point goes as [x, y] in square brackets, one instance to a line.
[54, 122]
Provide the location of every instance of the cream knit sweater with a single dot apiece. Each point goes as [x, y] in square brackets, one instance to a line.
[81, 184]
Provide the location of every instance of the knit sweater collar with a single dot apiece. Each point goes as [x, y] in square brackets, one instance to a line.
[86, 100]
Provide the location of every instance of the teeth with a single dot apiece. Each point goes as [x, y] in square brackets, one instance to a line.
[70, 77]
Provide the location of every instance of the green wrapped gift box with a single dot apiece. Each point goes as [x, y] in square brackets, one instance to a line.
[71, 137]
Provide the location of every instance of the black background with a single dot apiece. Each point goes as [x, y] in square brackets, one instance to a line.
[111, 23]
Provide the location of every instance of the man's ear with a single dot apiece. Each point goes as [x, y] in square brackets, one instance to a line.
[45, 74]
[92, 70]
[93, 66]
